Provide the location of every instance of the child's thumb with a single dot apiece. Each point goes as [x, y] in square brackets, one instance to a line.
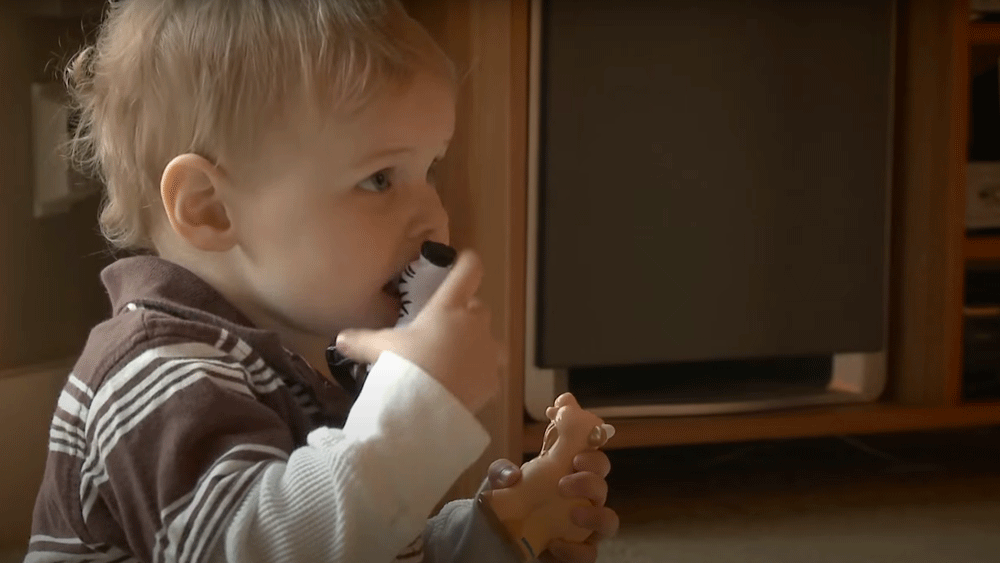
[359, 345]
[502, 474]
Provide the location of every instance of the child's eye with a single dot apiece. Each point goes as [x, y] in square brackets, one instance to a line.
[377, 182]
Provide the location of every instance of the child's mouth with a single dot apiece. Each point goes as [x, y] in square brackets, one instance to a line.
[391, 287]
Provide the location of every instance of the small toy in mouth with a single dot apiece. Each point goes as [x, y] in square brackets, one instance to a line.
[421, 278]
[439, 254]
[413, 288]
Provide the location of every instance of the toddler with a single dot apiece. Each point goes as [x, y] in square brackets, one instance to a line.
[269, 165]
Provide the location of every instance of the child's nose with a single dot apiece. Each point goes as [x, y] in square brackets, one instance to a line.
[431, 220]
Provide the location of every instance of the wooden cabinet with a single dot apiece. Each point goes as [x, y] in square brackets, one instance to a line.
[483, 181]
[928, 246]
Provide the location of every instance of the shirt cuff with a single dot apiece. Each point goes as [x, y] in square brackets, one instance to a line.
[422, 428]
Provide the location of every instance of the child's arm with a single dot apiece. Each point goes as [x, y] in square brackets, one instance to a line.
[438, 434]
[362, 493]
[186, 458]
[464, 531]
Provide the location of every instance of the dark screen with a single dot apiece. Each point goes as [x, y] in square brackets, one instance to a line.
[713, 179]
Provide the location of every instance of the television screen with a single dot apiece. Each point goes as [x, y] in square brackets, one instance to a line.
[714, 179]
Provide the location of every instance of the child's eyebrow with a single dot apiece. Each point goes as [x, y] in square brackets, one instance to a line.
[393, 151]
[381, 154]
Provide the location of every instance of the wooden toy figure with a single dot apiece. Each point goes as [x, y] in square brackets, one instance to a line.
[532, 510]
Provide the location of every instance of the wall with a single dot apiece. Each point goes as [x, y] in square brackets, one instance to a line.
[50, 293]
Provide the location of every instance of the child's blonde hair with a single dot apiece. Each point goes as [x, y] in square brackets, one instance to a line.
[168, 77]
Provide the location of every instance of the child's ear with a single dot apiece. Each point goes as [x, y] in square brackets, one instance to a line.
[192, 189]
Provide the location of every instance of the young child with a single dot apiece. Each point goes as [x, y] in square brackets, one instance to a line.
[273, 164]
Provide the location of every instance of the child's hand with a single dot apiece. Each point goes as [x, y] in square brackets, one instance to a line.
[588, 482]
[449, 339]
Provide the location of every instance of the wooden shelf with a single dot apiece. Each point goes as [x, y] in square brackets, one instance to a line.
[995, 403]
[798, 423]
[982, 248]
[984, 33]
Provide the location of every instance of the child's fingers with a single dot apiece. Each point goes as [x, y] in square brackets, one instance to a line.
[503, 473]
[462, 282]
[360, 345]
[603, 521]
[584, 485]
[594, 461]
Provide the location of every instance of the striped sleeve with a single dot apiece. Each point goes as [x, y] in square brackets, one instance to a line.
[176, 438]
[180, 461]
[362, 493]
[59, 532]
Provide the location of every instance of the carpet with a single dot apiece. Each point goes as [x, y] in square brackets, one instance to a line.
[914, 498]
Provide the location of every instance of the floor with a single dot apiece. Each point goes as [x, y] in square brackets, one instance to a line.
[914, 498]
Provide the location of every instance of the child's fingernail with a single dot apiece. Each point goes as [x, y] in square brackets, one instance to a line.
[506, 475]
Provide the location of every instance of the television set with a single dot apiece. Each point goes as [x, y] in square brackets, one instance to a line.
[708, 204]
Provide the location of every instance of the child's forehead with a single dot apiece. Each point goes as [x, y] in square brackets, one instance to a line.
[414, 120]
[414, 116]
